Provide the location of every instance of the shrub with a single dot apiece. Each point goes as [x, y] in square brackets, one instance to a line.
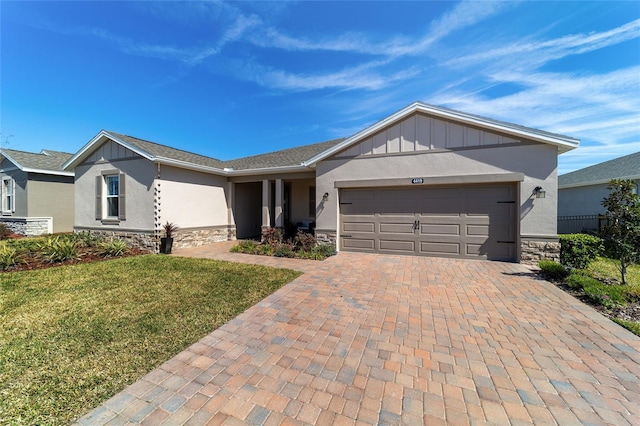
[9, 256]
[272, 236]
[305, 241]
[88, 240]
[5, 231]
[114, 247]
[59, 249]
[552, 270]
[600, 293]
[264, 249]
[324, 251]
[284, 250]
[245, 246]
[578, 250]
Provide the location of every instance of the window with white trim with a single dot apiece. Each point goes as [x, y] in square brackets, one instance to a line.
[8, 195]
[110, 201]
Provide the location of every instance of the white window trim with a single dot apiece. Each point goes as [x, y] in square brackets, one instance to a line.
[8, 182]
[106, 196]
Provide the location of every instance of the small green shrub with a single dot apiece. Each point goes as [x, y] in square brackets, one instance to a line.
[246, 246]
[114, 247]
[272, 236]
[265, 250]
[5, 231]
[324, 250]
[284, 250]
[305, 241]
[59, 249]
[88, 240]
[9, 256]
[552, 270]
[600, 293]
[578, 250]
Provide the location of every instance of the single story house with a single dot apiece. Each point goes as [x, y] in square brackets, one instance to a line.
[424, 181]
[36, 193]
[580, 193]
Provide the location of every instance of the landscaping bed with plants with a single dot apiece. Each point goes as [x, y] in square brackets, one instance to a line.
[18, 254]
[596, 280]
[274, 243]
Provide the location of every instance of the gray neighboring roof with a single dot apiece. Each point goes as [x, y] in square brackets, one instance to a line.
[627, 167]
[47, 161]
[156, 150]
[283, 158]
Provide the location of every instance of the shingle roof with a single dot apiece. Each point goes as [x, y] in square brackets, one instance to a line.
[618, 168]
[283, 158]
[47, 160]
[163, 151]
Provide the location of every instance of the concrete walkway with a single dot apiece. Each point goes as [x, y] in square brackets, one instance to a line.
[374, 339]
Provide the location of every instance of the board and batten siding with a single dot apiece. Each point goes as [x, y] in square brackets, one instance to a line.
[423, 133]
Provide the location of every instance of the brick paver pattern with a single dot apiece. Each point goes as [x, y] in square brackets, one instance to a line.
[375, 339]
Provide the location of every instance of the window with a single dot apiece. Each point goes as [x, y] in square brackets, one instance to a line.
[312, 201]
[8, 195]
[110, 196]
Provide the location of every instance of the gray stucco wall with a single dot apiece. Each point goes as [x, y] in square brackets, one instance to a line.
[582, 200]
[139, 195]
[538, 163]
[52, 196]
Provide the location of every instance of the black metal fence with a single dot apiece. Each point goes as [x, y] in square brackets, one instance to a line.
[588, 224]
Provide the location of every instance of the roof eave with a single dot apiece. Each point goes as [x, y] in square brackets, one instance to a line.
[564, 143]
[8, 157]
[270, 170]
[596, 182]
[88, 148]
[49, 172]
[187, 165]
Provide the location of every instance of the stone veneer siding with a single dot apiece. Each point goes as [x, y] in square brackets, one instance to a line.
[196, 237]
[533, 251]
[140, 239]
[29, 226]
[326, 237]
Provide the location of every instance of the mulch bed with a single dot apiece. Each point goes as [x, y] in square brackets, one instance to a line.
[631, 312]
[34, 261]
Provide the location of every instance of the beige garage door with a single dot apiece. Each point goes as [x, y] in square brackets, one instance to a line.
[476, 221]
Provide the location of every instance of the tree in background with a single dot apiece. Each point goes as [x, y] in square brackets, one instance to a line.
[621, 233]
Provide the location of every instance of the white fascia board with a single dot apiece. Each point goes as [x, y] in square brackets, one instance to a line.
[596, 182]
[190, 166]
[96, 140]
[564, 143]
[270, 170]
[49, 172]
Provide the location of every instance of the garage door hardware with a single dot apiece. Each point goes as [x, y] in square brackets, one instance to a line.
[416, 225]
[345, 203]
[506, 242]
[346, 236]
[506, 202]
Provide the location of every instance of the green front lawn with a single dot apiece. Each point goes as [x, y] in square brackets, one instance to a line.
[72, 336]
[604, 268]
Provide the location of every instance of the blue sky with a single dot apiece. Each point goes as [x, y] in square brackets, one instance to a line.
[230, 79]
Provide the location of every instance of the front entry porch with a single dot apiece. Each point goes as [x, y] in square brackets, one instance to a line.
[286, 203]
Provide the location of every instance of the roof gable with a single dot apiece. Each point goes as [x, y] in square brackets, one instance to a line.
[627, 167]
[46, 161]
[564, 143]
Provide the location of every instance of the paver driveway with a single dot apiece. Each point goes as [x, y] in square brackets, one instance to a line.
[375, 339]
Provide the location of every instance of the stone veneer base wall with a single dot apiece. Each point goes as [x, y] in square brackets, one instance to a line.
[29, 226]
[187, 238]
[326, 237]
[533, 251]
[140, 239]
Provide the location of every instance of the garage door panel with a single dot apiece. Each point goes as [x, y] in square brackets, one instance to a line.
[439, 229]
[397, 228]
[435, 249]
[368, 227]
[359, 243]
[478, 230]
[406, 246]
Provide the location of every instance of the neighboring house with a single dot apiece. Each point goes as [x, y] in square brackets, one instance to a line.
[423, 181]
[580, 193]
[36, 194]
